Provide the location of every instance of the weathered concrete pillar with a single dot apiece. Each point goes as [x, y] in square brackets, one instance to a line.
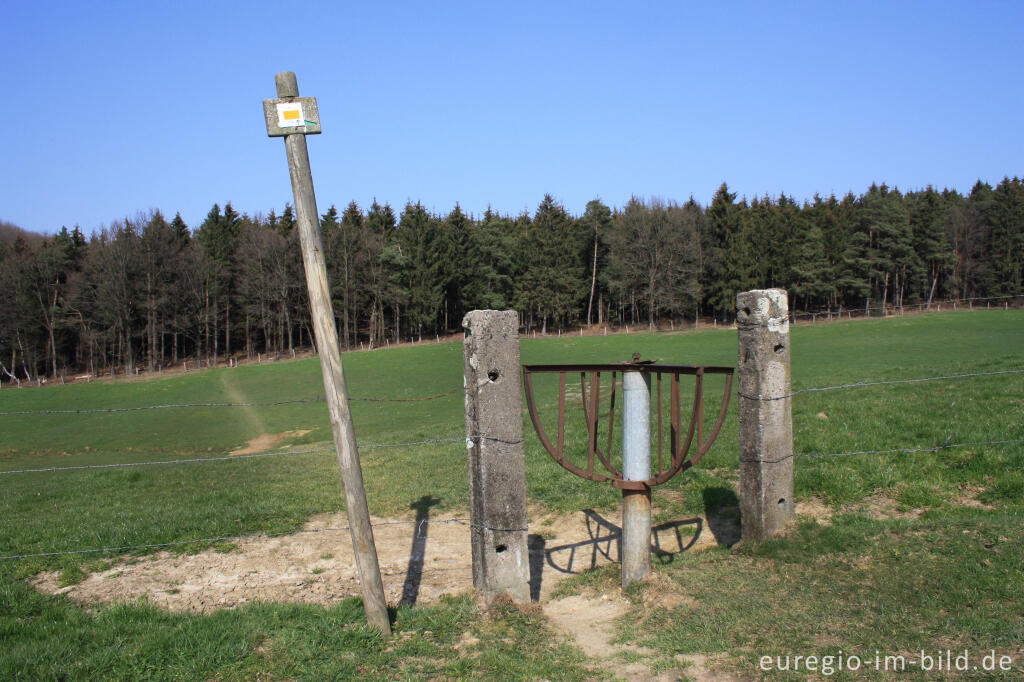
[497, 469]
[766, 422]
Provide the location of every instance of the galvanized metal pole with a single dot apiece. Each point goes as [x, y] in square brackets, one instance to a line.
[326, 333]
[636, 466]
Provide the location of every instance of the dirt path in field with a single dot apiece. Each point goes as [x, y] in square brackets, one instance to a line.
[235, 396]
[421, 559]
[267, 441]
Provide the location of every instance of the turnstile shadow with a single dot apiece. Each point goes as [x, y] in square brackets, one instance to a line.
[603, 545]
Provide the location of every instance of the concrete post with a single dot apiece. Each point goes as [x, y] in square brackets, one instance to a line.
[766, 423]
[497, 466]
[636, 466]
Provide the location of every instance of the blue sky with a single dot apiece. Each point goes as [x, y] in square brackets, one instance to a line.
[117, 108]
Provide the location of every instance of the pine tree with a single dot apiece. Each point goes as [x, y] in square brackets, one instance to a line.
[347, 256]
[491, 261]
[1007, 245]
[552, 283]
[217, 236]
[419, 235]
[927, 213]
[161, 245]
[724, 251]
[453, 265]
[596, 222]
[181, 232]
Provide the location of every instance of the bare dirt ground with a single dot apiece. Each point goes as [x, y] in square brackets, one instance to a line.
[589, 620]
[420, 560]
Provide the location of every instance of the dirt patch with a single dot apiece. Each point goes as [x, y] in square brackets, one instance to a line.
[816, 509]
[968, 497]
[883, 507]
[664, 594]
[420, 561]
[588, 620]
[703, 668]
[266, 441]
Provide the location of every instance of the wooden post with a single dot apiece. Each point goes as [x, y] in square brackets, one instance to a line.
[496, 459]
[766, 422]
[326, 334]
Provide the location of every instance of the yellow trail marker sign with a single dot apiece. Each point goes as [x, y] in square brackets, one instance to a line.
[291, 115]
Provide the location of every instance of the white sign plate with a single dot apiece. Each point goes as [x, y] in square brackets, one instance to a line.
[289, 114]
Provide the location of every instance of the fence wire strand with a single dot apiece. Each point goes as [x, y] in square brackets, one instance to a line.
[279, 453]
[860, 312]
[861, 384]
[170, 406]
[230, 538]
[936, 448]
[168, 461]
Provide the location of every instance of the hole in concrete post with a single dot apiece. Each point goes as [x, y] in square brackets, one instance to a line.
[493, 375]
[500, 548]
[782, 500]
[779, 347]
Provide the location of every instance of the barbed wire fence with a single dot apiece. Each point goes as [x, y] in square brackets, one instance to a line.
[813, 316]
[952, 305]
[290, 452]
[171, 406]
[420, 525]
[429, 441]
[891, 382]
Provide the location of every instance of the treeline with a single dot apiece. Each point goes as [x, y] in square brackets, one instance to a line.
[150, 291]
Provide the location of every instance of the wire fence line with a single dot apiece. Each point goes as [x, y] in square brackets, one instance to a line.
[164, 462]
[169, 406]
[861, 384]
[933, 449]
[839, 312]
[279, 453]
[420, 524]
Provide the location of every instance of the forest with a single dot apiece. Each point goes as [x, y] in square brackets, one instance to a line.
[147, 292]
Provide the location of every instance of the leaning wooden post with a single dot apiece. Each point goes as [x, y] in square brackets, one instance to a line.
[294, 117]
[766, 423]
[497, 468]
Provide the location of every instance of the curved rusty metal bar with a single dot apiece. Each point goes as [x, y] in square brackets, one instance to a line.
[595, 390]
[678, 450]
[556, 453]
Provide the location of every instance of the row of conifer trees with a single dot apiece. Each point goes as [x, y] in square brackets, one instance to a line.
[147, 292]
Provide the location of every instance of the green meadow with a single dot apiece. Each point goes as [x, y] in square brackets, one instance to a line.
[906, 551]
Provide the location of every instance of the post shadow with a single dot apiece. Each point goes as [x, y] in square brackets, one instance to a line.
[414, 573]
[722, 510]
[535, 543]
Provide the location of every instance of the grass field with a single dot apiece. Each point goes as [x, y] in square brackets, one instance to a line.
[907, 551]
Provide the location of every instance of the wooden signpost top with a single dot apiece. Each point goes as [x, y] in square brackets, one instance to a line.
[294, 117]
